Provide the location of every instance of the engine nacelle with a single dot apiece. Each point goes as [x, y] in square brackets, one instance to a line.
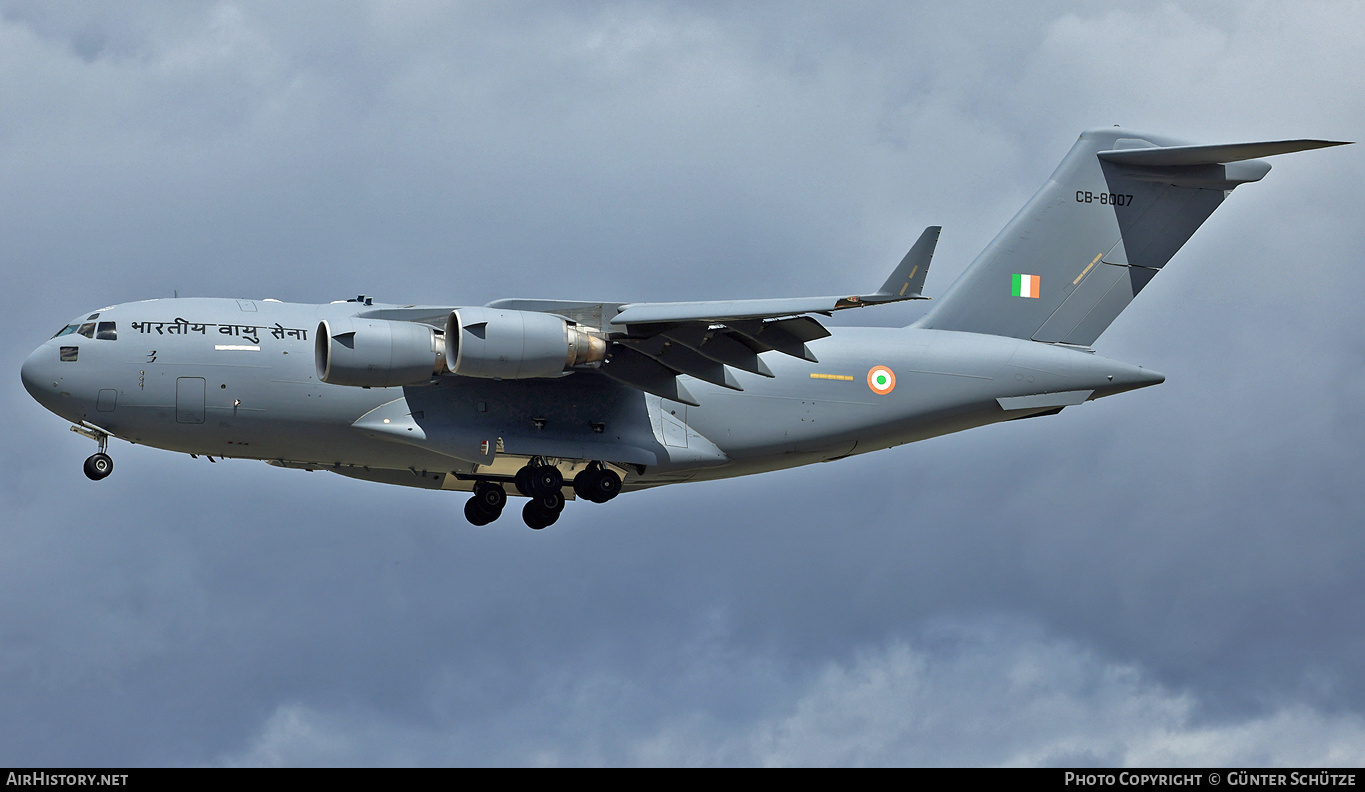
[375, 353]
[501, 344]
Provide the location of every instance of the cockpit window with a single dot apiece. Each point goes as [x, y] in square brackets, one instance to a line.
[104, 331]
[69, 354]
[92, 317]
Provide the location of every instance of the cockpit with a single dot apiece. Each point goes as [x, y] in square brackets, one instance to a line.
[102, 331]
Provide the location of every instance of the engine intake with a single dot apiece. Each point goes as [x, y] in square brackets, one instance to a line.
[375, 353]
[502, 344]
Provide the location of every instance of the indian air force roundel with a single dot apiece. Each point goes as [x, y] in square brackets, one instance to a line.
[881, 380]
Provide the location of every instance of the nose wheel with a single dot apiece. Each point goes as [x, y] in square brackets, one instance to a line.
[98, 466]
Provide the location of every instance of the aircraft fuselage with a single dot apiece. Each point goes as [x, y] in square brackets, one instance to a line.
[237, 378]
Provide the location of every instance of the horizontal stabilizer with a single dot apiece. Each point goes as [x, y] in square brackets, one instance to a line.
[1181, 156]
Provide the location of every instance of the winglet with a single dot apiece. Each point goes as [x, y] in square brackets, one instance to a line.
[907, 280]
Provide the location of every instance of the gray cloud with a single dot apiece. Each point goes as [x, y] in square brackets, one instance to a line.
[968, 694]
[1162, 577]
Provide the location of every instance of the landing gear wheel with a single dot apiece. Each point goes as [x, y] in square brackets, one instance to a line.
[98, 466]
[597, 484]
[473, 511]
[522, 483]
[544, 480]
[487, 503]
[542, 512]
[492, 496]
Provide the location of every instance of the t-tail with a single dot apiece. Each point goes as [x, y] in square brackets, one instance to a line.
[1108, 219]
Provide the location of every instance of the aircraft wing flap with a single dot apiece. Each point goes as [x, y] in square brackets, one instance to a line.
[639, 371]
[788, 336]
[721, 347]
[721, 311]
[683, 359]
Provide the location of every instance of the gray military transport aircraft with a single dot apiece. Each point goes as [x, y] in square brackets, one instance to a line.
[566, 399]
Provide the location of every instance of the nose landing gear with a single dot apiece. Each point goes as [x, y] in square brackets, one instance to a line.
[99, 465]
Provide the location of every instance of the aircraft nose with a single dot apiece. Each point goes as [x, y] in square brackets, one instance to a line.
[37, 375]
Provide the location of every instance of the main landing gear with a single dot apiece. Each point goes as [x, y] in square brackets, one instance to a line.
[487, 503]
[542, 511]
[542, 485]
[597, 483]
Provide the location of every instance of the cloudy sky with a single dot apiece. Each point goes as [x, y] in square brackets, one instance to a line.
[1171, 576]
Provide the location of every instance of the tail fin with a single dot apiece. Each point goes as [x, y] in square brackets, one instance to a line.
[1107, 220]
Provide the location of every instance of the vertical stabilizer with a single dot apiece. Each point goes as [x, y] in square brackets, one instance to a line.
[1108, 219]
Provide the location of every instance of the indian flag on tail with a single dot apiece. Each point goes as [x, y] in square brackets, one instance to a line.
[1026, 285]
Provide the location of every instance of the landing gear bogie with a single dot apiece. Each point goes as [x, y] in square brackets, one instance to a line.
[487, 503]
[597, 484]
[543, 512]
[474, 512]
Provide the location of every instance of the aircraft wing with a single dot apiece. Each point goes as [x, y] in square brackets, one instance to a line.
[653, 343]
[905, 283]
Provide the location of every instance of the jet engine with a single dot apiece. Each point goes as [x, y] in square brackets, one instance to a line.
[375, 353]
[504, 344]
